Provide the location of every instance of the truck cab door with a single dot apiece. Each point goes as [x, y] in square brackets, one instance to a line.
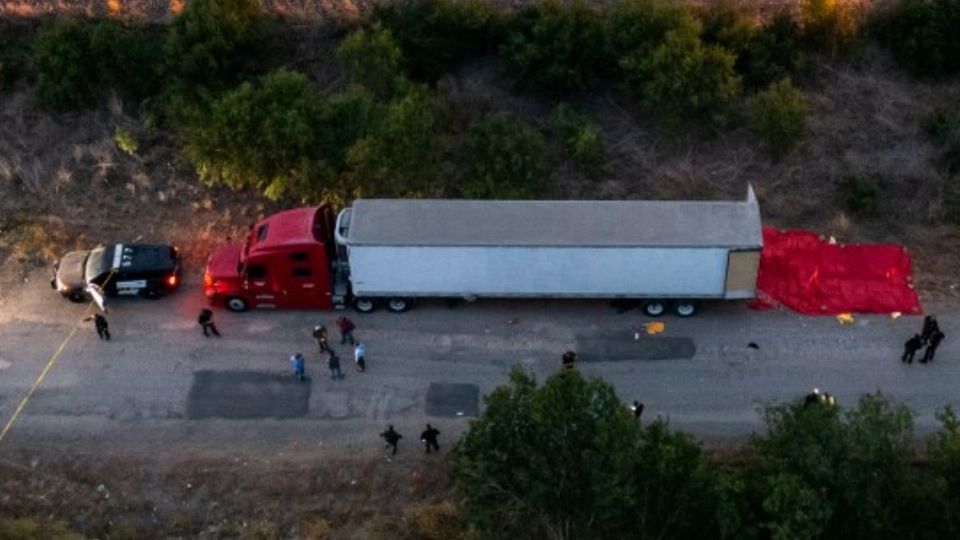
[257, 283]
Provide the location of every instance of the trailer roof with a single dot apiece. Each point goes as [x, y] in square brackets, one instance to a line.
[394, 222]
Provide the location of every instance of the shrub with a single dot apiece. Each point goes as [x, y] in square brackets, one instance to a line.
[213, 45]
[555, 46]
[683, 79]
[261, 135]
[636, 27]
[923, 35]
[67, 72]
[372, 59]
[779, 116]
[829, 26]
[125, 141]
[345, 118]
[399, 157]
[129, 57]
[943, 125]
[13, 53]
[861, 193]
[436, 35]
[502, 158]
[32, 529]
[581, 140]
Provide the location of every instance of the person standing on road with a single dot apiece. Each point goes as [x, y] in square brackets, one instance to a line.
[299, 366]
[932, 345]
[205, 320]
[637, 409]
[100, 323]
[392, 438]
[910, 348]
[569, 358]
[320, 334]
[429, 438]
[930, 327]
[359, 354]
[346, 328]
[333, 362]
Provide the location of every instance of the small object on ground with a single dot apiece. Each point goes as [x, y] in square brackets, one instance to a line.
[512, 321]
[655, 327]
[845, 318]
[753, 345]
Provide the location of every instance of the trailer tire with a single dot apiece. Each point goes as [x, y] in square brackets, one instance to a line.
[398, 305]
[236, 304]
[655, 308]
[685, 308]
[365, 305]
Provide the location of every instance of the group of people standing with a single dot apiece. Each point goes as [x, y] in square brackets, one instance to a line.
[346, 328]
[930, 337]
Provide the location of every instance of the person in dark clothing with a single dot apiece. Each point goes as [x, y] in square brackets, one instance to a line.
[429, 438]
[910, 348]
[333, 362]
[205, 320]
[569, 358]
[346, 328]
[100, 323]
[637, 409]
[392, 438]
[813, 397]
[932, 345]
[930, 327]
[320, 334]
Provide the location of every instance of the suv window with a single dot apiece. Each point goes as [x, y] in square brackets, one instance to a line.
[256, 272]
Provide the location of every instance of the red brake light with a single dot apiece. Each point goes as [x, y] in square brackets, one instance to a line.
[172, 280]
[207, 280]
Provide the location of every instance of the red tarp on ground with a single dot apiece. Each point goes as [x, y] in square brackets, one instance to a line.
[801, 272]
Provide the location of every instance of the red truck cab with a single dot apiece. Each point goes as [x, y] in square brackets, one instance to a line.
[285, 262]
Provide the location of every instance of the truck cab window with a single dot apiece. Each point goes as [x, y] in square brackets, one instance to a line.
[299, 256]
[262, 233]
[256, 271]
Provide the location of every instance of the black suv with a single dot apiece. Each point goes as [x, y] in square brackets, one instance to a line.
[119, 269]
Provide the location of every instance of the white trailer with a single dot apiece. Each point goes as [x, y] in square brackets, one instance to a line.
[657, 251]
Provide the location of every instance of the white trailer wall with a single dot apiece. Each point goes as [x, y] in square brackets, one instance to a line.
[411, 271]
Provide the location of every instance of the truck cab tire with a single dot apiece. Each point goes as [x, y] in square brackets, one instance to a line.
[398, 305]
[236, 304]
[685, 308]
[365, 305]
[76, 297]
[655, 308]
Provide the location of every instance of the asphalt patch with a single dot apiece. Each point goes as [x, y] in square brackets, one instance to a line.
[623, 346]
[247, 394]
[452, 399]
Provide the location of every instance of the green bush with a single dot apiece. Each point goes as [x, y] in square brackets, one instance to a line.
[502, 158]
[581, 140]
[436, 35]
[372, 59]
[125, 141]
[861, 193]
[778, 115]
[13, 56]
[923, 35]
[773, 52]
[555, 47]
[399, 157]
[829, 26]
[683, 79]
[68, 75]
[637, 27]
[943, 125]
[33, 529]
[261, 136]
[212, 46]
[129, 57]
[345, 118]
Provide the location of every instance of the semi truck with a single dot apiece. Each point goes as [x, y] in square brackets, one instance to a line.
[669, 255]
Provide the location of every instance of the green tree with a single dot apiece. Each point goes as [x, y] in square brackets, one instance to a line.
[436, 35]
[212, 46]
[555, 47]
[830, 26]
[345, 118]
[399, 157]
[636, 27]
[130, 57]
[779, 116]
[944, 452]
[67, 73]
[502, 158]
[582, 140]
[548, 462]
[683, 79]
[773, 52]
[262, 136]
[923, 35]
[372, 58]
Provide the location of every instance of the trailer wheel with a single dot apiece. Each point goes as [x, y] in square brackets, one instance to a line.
[685, 308]
[364, 304]
[236, 304]
[398, 305]
[655, 308]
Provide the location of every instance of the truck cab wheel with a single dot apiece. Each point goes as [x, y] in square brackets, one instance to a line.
[76, 297]
[685, 308]
[364, 305]
[655, 308]
[236, 304]
[398, 305]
